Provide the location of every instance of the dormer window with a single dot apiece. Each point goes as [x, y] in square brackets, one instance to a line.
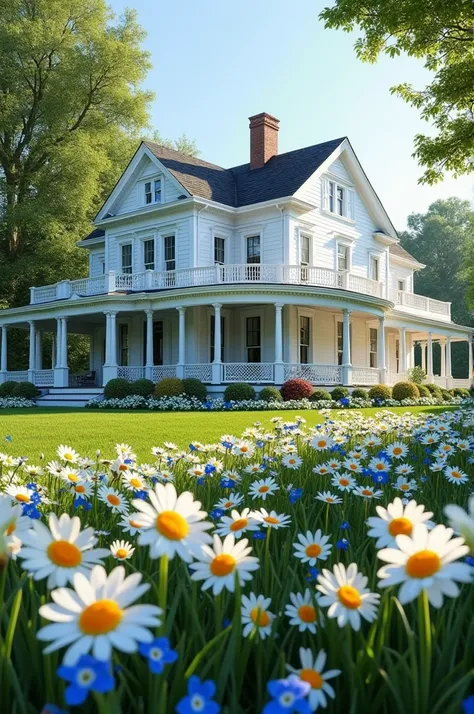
[153, 191]
[338, 199]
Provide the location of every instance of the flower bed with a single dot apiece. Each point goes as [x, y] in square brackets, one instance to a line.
[16, 403]
[184, 403]
[283, 570]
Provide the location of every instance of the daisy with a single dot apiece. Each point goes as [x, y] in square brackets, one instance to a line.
[462, 522]
[403, 484]
[396, 519]
[82, 489]
[10, 515]
[344, 482]
[243, 448]
[230, 501]
[323, 469]
[94, 616]
[113, 499]
[20, 494]
[132, 524]
[120, 466]
[231, 476]
[70, 475]
[353, 465]
[455, 475]
[263, 487]
[34, 471]
[59, 551]
[372, 440]
[125, 451]
[122, 550]
[328, 497]
[397, 450]
[172, 524]
[67, 453]
[311, 547]
[272, 519]
[218, 565]
[133, 482]
[404, 469]
[312, 672]
[321, 442]
[347, 596]
[171, 445]
[256, 616]
[291, 461]
[254, 468]
[302, 612]
[238, 523]
[379, 465]
[424, 561]
[367, 492]
[165, 476]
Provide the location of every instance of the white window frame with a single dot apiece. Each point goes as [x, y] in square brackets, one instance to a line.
[304, 312]
[374, 256]
[243, 326]
[304, 235]
[121, 245]
[256, 231]
[163, 236]
[120, 323]
[151, 180]
[347, 243]
[349, 198]
[404, 285]
[369, 352]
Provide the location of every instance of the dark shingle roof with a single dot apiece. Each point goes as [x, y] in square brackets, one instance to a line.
[96, 233]
[400, 252]
[281, 176]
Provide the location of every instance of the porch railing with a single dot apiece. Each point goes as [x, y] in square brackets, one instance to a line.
[199, 371]
[412, 301]
[248, 372]
[163, 370]
[131, 373]
[44, 377]
[365, 375]
[314, 373]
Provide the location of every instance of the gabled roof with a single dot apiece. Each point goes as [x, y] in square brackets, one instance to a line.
[238, 186]
[399, 252]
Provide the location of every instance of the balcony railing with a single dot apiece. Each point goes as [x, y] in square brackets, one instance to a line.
[210, 275]
[411, 302]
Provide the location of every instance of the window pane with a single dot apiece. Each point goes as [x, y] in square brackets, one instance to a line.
[305, 250]
[123, 337]
[157, 190]
[374, 268]
[332, 188]
[127, 258]
[253, 339]
[148, 192]
[253, 249]
[340, 201]
[219, 250]
[401, 285]
[149, 254]
[170, 253]
[373, 337]
[342, 257]
[304, 339]
[339, 342]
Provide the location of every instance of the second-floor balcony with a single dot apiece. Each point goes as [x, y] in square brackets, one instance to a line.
[311, 276]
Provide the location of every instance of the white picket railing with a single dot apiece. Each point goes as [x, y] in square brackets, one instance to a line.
[88, 286]
[314, 373]
[20, 376]
[131, 373]
[162, 371]
[365, 375]
[412, 301]
[198, 371]
[248, 372]
[44, 377]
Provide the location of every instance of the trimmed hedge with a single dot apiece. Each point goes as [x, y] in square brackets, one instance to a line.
[270, 394]
[434, 390]
[424, 391]
[27, 390]
[142, 387]
[359, 393]
[7, 388]
[195, 388]
[380, 391]
[339, 393]
[461, 392]
[320, 395]
[118, 388]
[296, 389]
[240, 391]
[405, 390]
[169, 387]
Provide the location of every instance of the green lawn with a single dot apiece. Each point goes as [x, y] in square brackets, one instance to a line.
[40, 430]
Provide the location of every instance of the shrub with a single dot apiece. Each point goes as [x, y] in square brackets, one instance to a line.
[424, 391]
[296, 389]
[195, 388]
[380, 392]
[270, 394]
[416, 375]
[320, 395]
[27, 390]
[447, 395]
[142, 387]
[118, 388]
[434, 390]
[461, 392]
[240, 391]
[7, 388]
[359, 393]
[169, 387]
[405, 390]
[339, 393]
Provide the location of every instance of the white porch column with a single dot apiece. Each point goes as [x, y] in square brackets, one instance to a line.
[470, 366]
[61, 371]
[381, 358]
[53, 350]
[449, 373]
[403, 350]
[423, 356]
[346, 347]
[110, 368]
[279, 366]
[39, 350]
[3, 355]
[442, 344]
[217, 363]
[32, 352]
[182, 341]
[149, 344]
[429, 358]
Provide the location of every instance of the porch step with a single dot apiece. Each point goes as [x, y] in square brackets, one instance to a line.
[69, 396]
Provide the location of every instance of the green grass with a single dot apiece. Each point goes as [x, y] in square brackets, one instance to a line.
[42, 430]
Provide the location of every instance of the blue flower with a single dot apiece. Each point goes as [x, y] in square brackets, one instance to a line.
[227, 483]
[259, 444]
[140, 494]
[30, 510]
[199, 698]
[35, 498]
[295, 495]
[344, 526]
[312, 575]
[468, 705]
[470, 560]
[380, 477]
[88, 674]
[32, 486]
[209, 469]
[259, 535]
[342, 544]
[216, 513]
[345, 401]
[288, 696]
[158, 653]
[201, 481]
[80, 502]
[227, 444]
[9, 439]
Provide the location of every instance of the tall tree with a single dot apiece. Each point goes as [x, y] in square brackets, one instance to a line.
[439, 32]
[183, 143]
[442, 239]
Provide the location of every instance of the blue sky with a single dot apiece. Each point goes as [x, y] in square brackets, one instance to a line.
[217, 62]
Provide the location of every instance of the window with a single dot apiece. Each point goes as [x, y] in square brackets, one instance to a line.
[374, 268]
[213, 333]
[304, 339]
[338, 199]
[157, 342]
[332, 197]
[219, 250]
[401, 285]
[170, 253]
[149, 254]
[340, 341]
[148, 192]
[253, 339]
[157, 190]
[127, 258]
[304, 250]
[342, 256]
[397, 354]
[153, 191]
[253, 249]
[123, 342]
[373, 341]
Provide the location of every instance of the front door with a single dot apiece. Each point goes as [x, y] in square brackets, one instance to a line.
[157, 342]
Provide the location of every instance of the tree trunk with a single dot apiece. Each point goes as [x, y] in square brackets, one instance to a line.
[13, 237]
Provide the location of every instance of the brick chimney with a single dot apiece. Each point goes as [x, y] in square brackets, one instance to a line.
[263, 139]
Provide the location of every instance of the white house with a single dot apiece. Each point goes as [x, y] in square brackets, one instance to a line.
[286, 266]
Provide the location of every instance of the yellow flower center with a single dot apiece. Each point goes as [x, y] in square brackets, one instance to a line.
[23, 498]
[68, 456]
[73, 477]
[259, 617]
[312, 677]
[349, 597]
[272, 520]
[353, 467]
[223, 565]
[404, 487]
[172, 525]
[313, 550]
[380, 467]
[101, 617]
[323, 470]
[423, 564]
[239, 524]
[344, 481]
[264, 489]
[227, 504]
[121, 553]
[136, 483]
[79, 489]
[367, 492]
[113, 499]
[244, 449]
[123, 467]
[400, 526]
[307, 613]
[397, 451]
[11, 529]
[64, 554]
[329, 500]
[322, 443]
[455, 474]
[135, 524]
